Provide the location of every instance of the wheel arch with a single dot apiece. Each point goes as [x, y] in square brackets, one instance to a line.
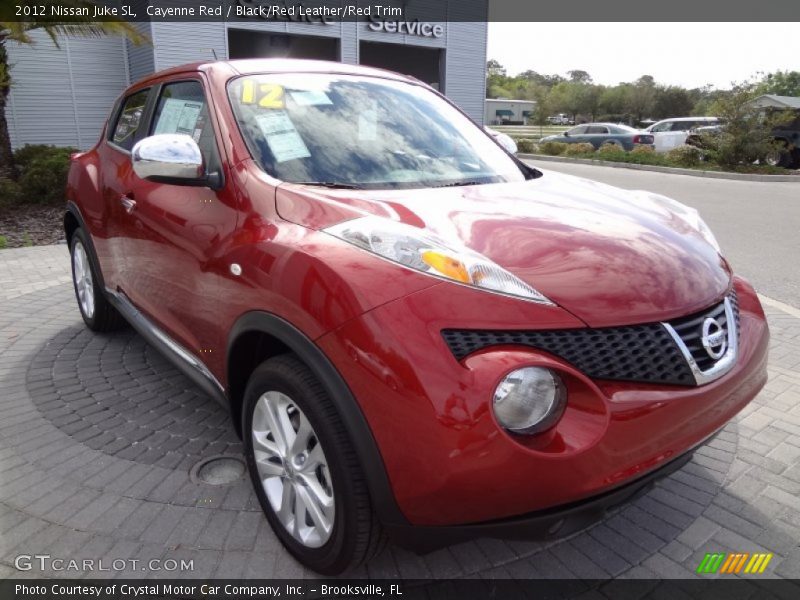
[259, 335]
[73, 220]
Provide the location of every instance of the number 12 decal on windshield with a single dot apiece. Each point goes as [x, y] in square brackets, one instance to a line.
[265, 95]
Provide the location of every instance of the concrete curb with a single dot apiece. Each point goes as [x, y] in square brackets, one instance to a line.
[658, 169]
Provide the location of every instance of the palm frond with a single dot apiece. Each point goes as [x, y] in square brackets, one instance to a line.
[79, 26]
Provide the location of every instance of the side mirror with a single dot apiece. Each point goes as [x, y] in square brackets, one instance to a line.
[506, 141]
[565, 134]
[171, 158]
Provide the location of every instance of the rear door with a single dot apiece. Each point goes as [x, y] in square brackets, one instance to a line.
[174, 267]
[596, 135]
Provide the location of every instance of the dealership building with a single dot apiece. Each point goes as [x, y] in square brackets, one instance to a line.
[62, 95]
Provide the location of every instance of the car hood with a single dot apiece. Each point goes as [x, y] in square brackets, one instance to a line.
[607, 255]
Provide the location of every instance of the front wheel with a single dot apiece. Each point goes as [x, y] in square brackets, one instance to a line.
[304, 469]
[97, 312]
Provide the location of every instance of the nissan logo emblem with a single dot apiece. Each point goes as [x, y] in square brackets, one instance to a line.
[715, 338]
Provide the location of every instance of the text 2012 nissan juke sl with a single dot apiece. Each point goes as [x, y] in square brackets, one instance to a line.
[417, 334]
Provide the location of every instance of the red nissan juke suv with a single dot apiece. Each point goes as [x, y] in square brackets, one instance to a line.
[418, 336]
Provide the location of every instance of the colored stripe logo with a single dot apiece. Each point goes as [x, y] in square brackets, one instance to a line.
[734, 562]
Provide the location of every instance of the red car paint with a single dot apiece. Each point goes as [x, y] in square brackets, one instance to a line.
[604, 256]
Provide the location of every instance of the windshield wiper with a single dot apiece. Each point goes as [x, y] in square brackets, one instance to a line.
[330, 184]
[460, 183]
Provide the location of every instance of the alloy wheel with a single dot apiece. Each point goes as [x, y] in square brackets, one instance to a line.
[82, 275]
[293, 469]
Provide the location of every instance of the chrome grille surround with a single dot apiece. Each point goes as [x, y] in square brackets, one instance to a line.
[688, 339]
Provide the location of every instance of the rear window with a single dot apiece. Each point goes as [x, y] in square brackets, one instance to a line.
[129, 119]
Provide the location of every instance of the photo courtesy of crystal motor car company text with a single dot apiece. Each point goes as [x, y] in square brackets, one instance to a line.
[322, 258]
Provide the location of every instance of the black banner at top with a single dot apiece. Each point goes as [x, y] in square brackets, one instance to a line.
[400, 13]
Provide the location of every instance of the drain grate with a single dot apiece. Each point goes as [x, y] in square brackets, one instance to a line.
[218, 470]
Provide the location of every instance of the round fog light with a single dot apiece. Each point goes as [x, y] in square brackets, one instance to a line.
[529, 400]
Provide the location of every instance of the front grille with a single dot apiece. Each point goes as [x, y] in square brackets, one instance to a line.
[690, 330]
[643, 353]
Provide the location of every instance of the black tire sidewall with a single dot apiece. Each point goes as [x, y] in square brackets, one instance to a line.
[337, 553]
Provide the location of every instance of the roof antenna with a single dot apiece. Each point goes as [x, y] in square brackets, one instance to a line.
[214, 52]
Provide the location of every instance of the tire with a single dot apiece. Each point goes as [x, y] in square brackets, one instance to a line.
[782, 157]
[282, 392]
[97, 312]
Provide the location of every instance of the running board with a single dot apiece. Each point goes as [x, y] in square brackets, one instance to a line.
[180, 357]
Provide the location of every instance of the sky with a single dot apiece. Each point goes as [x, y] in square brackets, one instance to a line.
[686, 54]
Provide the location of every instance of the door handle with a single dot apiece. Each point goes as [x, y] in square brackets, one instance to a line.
[128, 203]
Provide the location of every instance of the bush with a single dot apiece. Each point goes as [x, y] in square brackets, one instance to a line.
[43, 174]
[611, 152]
[525, 146]
[553, 148]
[643, 150]
[9, 192]
[685, 156]
[578, 149]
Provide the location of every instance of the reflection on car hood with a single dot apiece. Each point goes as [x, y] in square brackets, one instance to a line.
[607, 255]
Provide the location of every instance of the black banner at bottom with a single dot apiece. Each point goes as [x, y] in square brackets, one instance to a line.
[455, 589]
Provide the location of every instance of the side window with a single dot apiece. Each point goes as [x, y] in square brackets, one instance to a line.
[577, 130]
[182, 108]
[129, 119]
[662, 127]
[596, 129]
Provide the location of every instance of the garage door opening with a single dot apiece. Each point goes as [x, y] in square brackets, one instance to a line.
[426, 64]
[258, 44]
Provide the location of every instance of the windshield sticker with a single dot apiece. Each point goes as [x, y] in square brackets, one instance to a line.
[265, 95]
[368, 125]
[310, 98]
[282, 137]
[178, 116]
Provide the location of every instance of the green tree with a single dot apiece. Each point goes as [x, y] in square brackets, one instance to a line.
[671, 101]
[640, 97]
[55, 28]
[579, 76]
[747, 134]
[780, 83]
[576, 98]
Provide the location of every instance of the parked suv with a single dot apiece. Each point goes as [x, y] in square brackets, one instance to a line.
[671, 133]
[417, 335]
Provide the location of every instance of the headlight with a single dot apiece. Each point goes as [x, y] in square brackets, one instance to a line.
[421, 250]
[529, 400]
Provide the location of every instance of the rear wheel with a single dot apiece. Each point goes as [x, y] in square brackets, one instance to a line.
[780, 157]
[304, 469]
[97, 312]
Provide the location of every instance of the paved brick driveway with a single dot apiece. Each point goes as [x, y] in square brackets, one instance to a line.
[98, 435]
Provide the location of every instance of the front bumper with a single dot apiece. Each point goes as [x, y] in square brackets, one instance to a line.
[541, 525]
[448, 461]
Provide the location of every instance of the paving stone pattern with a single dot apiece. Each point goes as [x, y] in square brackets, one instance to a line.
[98, 434]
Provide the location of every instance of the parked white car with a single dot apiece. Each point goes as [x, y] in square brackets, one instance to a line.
[669, 133]
[560, 119]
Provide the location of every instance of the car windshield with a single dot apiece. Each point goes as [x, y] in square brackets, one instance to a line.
[354, 131]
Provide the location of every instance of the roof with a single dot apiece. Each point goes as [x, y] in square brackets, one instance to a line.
[279, 65]
[511, 101]
[778, 101]
[689, 119]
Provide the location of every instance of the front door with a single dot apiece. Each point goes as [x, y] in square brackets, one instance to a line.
[174, 274]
